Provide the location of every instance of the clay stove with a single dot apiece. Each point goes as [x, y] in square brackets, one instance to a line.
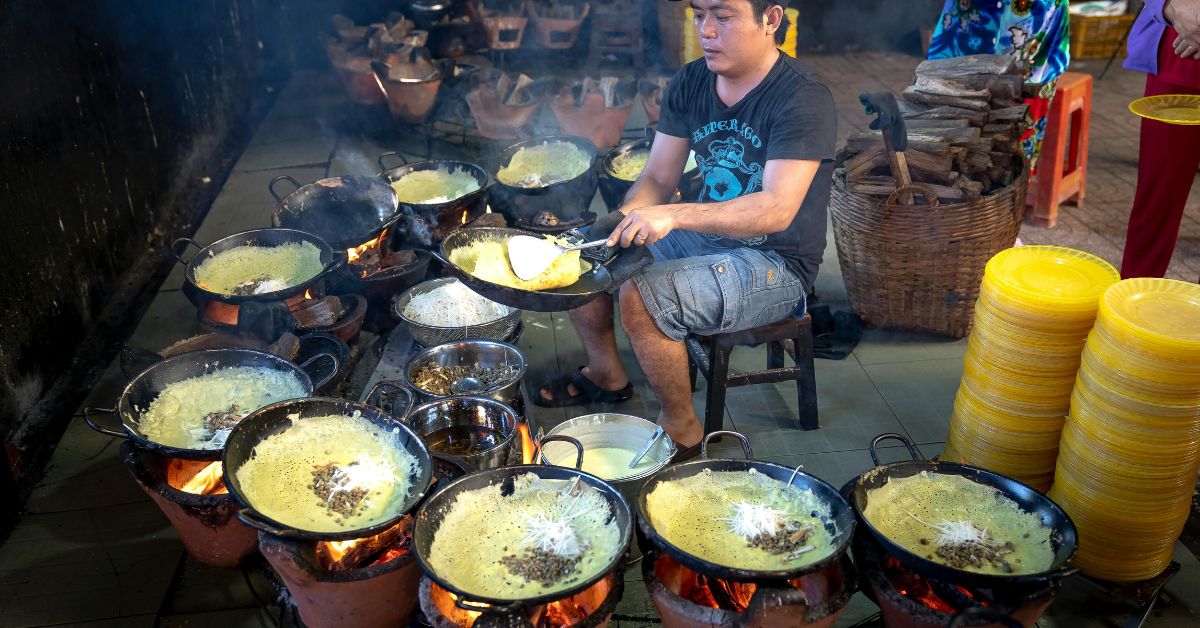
[589, 608]
[685, 598]
[192, 495]
[365, 583]
[907, 599]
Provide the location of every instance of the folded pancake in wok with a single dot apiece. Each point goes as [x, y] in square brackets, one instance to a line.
[328, 474]
[544, 537]
[742, 519]
[958, 522]
[488, 260]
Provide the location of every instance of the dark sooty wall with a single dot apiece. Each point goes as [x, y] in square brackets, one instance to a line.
[111, 114]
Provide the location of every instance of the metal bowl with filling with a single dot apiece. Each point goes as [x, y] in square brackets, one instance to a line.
[545, 176]
[961, 523]
[325, 469]
[186, 406]
[257, 265]
[445, 310]
[522, 535]
[745, 519]
[483, 368]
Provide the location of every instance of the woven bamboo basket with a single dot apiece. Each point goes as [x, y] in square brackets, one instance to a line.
[918, 267]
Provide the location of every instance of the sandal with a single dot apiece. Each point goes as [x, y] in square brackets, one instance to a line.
[589, 392]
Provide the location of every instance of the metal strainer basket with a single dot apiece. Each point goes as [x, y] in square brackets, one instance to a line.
[429, 335]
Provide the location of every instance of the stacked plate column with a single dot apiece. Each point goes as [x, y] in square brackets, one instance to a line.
[1036, 306]
[1131, 445]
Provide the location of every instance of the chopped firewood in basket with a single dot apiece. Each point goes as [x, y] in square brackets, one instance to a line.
[964, 119]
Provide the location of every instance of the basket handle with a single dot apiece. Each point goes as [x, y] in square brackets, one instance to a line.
[925, 191]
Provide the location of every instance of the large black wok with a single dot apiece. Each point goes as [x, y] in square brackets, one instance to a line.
[345, 211]
[568, 200]
[331, 259]
[436, 219]
[840, 526]
[613, 189]
[433, 511]
[144, 388]
[278, 417]
[1063, 539]
[591, 284]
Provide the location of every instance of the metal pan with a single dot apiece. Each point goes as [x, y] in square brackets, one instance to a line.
[568, 200]
[840, 526]
[433, 511]
[144, 388]
[278, 417]
[591, 284]
[436, 219]
[345, 211]
[1063, 539]
[331, 259]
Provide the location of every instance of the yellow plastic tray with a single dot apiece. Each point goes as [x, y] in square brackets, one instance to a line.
[1170, 108]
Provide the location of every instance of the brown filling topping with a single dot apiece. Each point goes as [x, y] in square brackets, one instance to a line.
[790, 538]
[215, 421]
[329, 484]
[541, 566]
[974, 554]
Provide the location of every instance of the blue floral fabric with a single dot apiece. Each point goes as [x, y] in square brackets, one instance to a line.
[1034, 30]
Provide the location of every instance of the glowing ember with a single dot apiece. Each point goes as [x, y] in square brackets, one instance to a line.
[527, 445]
[365, 250]
[375, 550]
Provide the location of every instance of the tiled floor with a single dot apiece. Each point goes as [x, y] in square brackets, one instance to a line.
[93, 550]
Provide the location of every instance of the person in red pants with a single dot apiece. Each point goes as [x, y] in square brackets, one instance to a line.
[1165, 44]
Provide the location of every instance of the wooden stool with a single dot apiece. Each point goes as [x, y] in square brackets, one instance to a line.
[618, 33]
[1057, 182]
[710, 356]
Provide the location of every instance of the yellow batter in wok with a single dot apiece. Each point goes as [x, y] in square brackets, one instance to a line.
[926, 512]
[278, 478]
[488, 260]
[700, 515]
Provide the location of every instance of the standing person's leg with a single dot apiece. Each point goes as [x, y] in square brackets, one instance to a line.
[1168, 157]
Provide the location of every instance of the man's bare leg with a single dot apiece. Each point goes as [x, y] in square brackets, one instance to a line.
[594, 324]
[665, 362]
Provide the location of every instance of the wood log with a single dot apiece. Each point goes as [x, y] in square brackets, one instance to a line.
[909, 109]
[863, 141]
[883, 186]
[999, 86]
[971, 190]
[1008, 114]
[976, 161]
[949, 87]
[912, 95]
[934, 123]
[1003, 160]
[1031, 90]
[972, 64]
[930, 165]
[976, 118]
[364, 549]
[965, 135]
[1005, 128]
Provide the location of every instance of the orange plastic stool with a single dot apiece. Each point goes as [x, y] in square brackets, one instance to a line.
[1062, 168]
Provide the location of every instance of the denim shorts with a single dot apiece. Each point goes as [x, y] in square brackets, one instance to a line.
[697, 285]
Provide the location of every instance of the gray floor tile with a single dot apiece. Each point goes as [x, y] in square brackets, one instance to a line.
[48, 608]
[241, 618]
[926, 420]
[203, 589]
[85, 472]
[930, 379]
[880, 346]
[169, 319]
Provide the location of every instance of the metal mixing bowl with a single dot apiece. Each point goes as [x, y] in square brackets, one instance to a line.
[482, 353]
[450, 411]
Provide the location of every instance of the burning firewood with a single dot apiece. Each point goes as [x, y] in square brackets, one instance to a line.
[319, 313]
[345, 555]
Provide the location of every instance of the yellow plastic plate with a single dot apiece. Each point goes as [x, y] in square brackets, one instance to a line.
[1051, 275]
[1165, 312]
[1169, 108]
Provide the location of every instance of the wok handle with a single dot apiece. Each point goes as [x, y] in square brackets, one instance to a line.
[562, 438]
[89, 413]
[746, 449]
[337, 366]
[381, 388]
[178, 255]
[987, 614]
[282, 177]
[339, 259]
[250, 518]
[908, 444]
[383, 167]
[437, 255]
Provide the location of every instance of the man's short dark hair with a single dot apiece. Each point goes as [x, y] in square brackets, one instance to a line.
[760, 8]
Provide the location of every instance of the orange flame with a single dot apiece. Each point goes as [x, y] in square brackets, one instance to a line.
[335, 550]
[526, 443]
[208, 481]
[308, 294]
[464, 218]
[357, 253]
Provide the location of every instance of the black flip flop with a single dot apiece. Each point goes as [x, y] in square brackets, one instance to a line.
[589, 392]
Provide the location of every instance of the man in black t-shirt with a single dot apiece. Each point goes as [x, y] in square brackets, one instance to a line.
[743, 254]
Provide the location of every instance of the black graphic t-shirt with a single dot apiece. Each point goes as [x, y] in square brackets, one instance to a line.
[789, 115]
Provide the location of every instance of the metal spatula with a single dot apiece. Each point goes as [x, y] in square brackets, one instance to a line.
[530, 256]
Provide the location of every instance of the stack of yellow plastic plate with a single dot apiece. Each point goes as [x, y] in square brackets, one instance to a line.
[1131, 445]
[1036, 306]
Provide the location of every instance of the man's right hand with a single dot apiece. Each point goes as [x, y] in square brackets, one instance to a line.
[1184, 15]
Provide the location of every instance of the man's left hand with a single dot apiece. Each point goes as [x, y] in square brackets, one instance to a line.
[643, 226]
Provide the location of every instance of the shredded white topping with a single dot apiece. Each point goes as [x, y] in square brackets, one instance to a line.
[453, 305]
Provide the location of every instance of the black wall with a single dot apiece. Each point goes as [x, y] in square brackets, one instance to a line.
[111, 113]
